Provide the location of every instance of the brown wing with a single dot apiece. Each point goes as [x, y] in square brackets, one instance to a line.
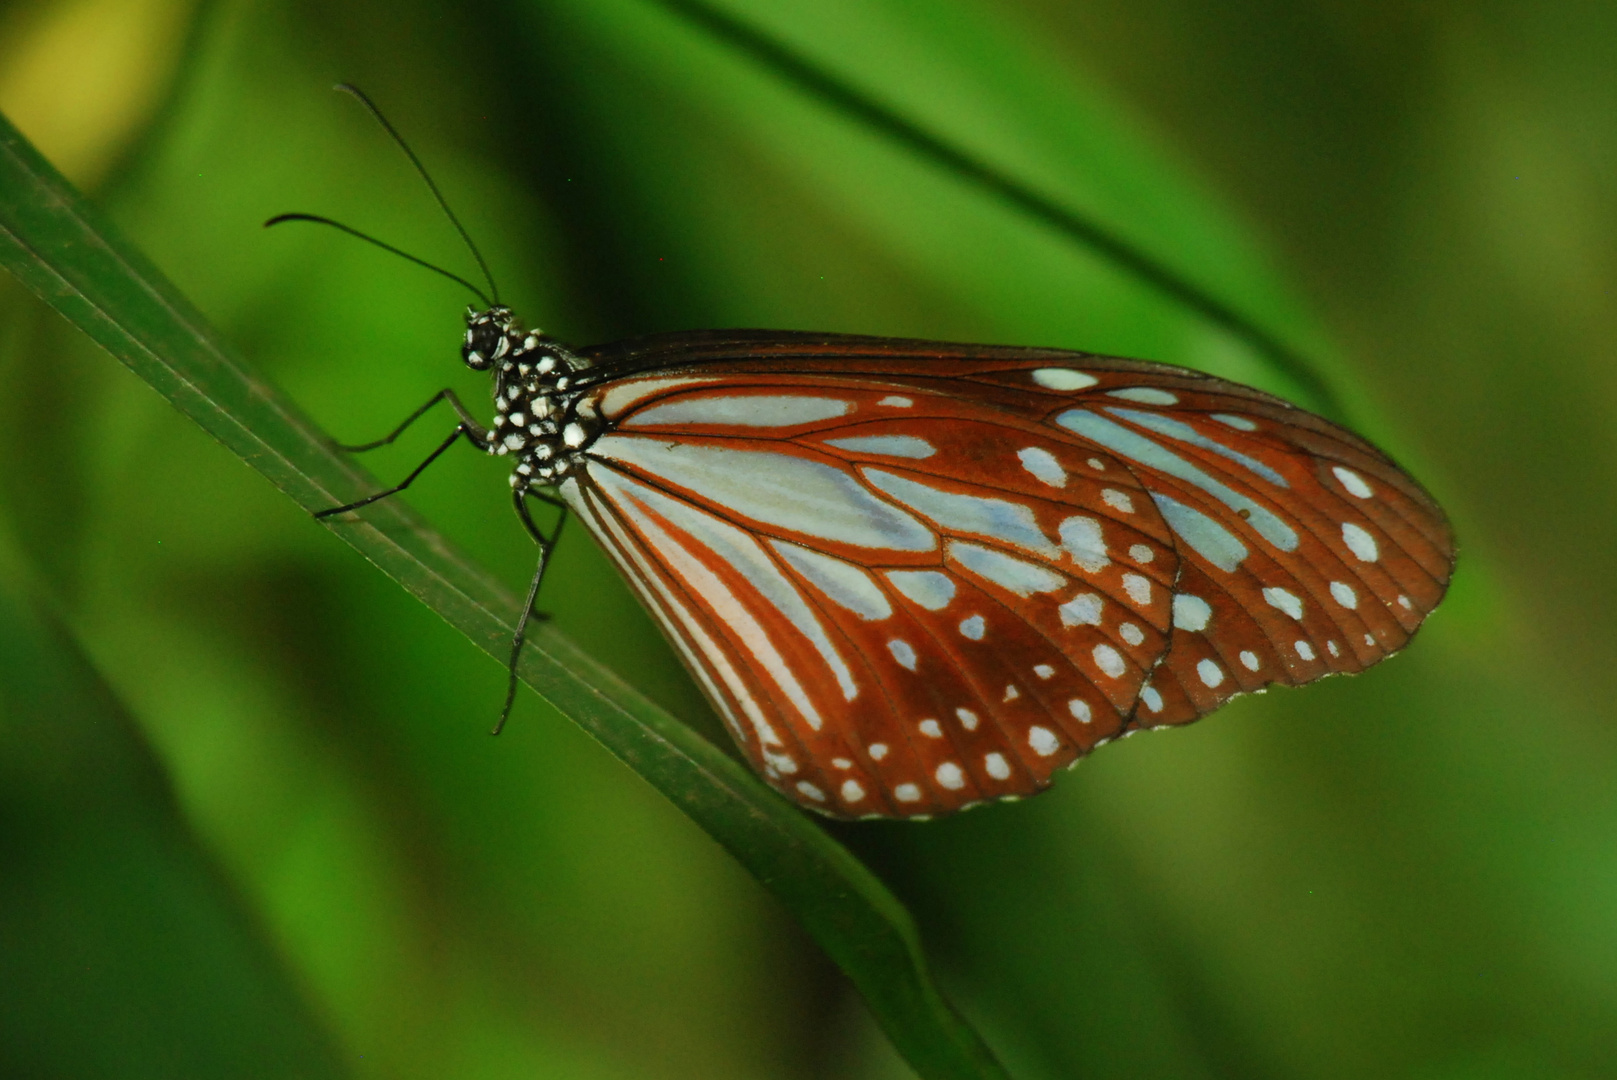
[915, 576]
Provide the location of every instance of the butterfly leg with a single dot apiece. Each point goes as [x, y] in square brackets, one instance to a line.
[459, 432]
[467, 422]
[468, 428]
[547, 544]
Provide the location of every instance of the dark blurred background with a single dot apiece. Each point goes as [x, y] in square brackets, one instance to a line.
[278, 842]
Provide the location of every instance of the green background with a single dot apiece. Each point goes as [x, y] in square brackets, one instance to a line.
[278, 841]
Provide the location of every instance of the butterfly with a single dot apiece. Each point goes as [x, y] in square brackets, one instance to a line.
[912, 576]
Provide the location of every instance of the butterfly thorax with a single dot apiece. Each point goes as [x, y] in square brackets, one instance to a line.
[540, 415]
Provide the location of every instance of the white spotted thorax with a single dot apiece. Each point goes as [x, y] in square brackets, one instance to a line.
[540, 416]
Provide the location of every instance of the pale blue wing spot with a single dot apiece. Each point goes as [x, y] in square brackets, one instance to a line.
[1205, 536]
[1007, 571]
[1063, 379]
[843, 583]
[1008, 522]
[900, 446]
[1175, 429]
[928, 588]
[1145, 395]
[790, 492]
[743, 410]
[1133, 445]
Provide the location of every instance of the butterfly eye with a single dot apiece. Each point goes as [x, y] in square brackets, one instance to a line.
[484, 344]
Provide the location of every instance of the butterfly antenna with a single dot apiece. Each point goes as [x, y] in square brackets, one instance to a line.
[351, 231]
[421, 170]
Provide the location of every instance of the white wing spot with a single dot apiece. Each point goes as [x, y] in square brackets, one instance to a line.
[1131, 634]
[1210, 674]
[951, 776]
[907, 793]
[1353, 482]
[1191, 612]
[780, 762]
[742, 410]
[903, 652]
[791, 492]
[1011, 693]
[1285, 600]
[1304, 650]
[843, 583]
[1183, 432]
[1043, 741]
[1211, 540]
[899, 446]
[931, 729]
[852, 791]
[893, 401]
[620, 396]
[1370, 640]
[1145, 395]
[1080, 710]
[928, 588]
[968, 719]
[973, 628]
[1056, 378]
[1081, 610]
[1043, 671]
[811, 791]
[842, 763]
[1239, 423]
[1043, 466]
[1360, 542]
[1007, 522]
[1403, 602]
[1097, 464]
[1332, 648]
[1141, 554]
[1343, 594]
[1010, 573]
[877, 751]
[1109, 660]
[1249, 659]
[1138, 589]
[1118, 500]
[1085, 542]
[1131, 444]
[997, 766]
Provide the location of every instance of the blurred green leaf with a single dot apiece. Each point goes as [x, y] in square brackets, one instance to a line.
[109, 907]
[798, 69]
[61, 249]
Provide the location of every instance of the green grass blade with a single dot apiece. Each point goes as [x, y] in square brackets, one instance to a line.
[59, 247]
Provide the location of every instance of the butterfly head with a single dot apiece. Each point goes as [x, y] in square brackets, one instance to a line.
[491, 336]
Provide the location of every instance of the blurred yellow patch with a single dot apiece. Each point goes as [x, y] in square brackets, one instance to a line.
[79, 78]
